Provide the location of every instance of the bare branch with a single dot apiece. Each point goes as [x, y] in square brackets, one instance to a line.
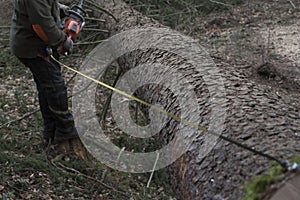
[292, 3]
[221, 3]
[72, 170]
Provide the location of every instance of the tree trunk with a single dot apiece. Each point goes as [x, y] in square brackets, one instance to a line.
[256, 116]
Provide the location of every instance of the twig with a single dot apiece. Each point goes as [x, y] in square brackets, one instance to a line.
[72, 170]
[119, 155]
[153, 170]
[101, 9]
[90, 37]
[142, 5]
[19, 119]
[105, 109]
[221, 3]
[292, 3]
[71, 79]
[268, 45]
[172, 14]
[96, 30]
[88, 43]
[95, 25]
[95, 19]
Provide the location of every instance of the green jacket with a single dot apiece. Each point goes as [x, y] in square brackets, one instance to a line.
[35, 25]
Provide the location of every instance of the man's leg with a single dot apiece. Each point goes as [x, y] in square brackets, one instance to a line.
[49, 121]
[53, 93]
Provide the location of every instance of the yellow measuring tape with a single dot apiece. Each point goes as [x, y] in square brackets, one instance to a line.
[186, 122]
[284, 164]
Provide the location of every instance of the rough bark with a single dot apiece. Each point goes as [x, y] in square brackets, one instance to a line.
[256, 116]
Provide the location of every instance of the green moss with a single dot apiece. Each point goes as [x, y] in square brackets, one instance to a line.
[295, 159]
[259, 184]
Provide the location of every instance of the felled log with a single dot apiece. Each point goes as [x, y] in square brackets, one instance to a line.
[256, 116]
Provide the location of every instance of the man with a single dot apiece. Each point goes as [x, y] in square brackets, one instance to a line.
[36, 26]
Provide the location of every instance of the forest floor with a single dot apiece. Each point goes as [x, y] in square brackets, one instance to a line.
[259, 38]
[261, 35]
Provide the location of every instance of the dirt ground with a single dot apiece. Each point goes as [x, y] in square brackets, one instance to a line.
[263, 36]
[259, 34]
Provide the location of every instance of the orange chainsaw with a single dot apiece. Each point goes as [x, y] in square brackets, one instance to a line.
[74, 22]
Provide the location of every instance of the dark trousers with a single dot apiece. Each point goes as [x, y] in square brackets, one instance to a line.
[52, 92]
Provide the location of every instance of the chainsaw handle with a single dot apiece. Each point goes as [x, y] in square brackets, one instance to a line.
[73, 13]
[79, 9]
[67, 51]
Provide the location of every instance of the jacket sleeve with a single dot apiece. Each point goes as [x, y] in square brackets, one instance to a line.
[43, 23]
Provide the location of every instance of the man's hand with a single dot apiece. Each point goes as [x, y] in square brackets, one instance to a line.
[63, 10]
[63, 7]
[68, 46]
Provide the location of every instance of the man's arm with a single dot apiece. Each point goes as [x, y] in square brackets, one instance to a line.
[43, 23]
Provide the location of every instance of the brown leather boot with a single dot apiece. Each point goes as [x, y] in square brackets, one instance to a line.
[78, 148]
[63, 147]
